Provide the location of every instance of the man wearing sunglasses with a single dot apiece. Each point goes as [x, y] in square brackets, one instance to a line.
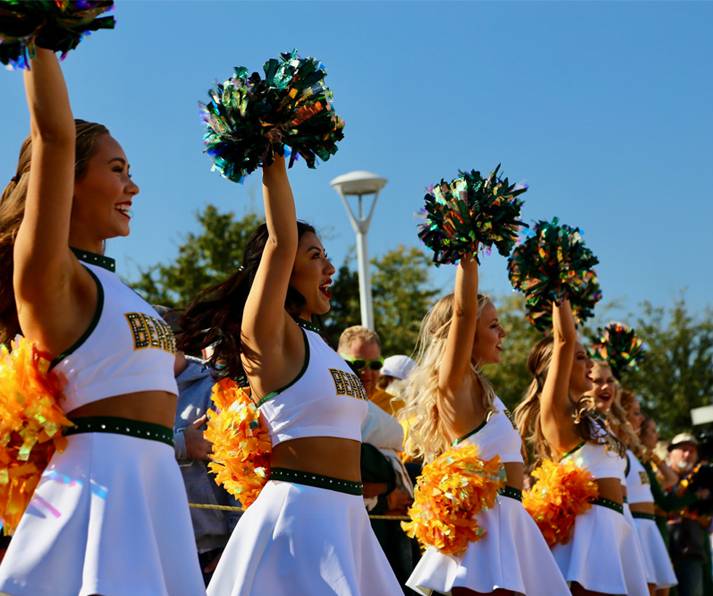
[361, 349]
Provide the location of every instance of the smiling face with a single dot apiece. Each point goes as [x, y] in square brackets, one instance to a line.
[312, 276]
[489, 335]
[102, 196]
[605, 388]
[580, 379]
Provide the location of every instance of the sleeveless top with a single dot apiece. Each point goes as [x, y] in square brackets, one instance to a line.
[127, 347]
[638, 487]
[601, 461]
[497, 435]
[325, 400]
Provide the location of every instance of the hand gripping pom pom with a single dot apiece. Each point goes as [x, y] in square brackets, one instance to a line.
[469, 213]
[31, 423]
[451, 490]
[57, 25]
[561, 492]
[551, 265]
[250, 119]
[618, 345]
[241, 442]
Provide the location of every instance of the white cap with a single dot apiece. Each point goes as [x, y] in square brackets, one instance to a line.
[398, 366]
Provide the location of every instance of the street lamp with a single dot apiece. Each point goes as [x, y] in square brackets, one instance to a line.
[358, 184]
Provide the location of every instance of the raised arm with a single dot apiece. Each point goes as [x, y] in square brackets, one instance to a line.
[455, 405]
[555, 405]
[264, 317]
[42, 260]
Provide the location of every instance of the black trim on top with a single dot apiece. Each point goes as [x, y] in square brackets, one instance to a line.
[93, 258]
[275, 393]
[628, 465]
[309, 325]
[471, 433]
[571, 451]
[92, 323]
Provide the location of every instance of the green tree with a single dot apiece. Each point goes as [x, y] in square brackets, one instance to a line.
[402, 296]
[204, 258]
[676, 373]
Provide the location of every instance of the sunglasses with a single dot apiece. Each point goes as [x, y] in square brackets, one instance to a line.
[357, 364]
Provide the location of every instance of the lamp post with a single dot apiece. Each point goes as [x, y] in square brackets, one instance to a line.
[358, 184]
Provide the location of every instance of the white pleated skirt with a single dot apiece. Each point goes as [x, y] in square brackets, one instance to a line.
[109, 516]
[655, 555]
[512, 556]
[297, 539]
[603, 554]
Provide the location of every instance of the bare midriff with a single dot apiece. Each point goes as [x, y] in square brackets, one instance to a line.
[647, 508]
[515, 474]
[157, 407]
[328, 456]
[611, 489]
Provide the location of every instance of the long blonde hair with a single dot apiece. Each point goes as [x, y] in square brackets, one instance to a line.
[527, 413]
[619, 415]
[427, 438]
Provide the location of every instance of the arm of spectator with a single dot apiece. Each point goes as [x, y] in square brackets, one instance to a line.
[189, 443]
[669, 500]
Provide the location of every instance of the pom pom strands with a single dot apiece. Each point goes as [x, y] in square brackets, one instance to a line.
[470, 212]
[56, 25]
[451, 490]
[619, 346]
[31, 423]
[553, 264]
[561, 492]
[251, 119]
[241, 442]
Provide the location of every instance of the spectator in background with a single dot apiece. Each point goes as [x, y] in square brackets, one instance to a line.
[211, 527]
[387, 485]
[689, 546]
[395, 370]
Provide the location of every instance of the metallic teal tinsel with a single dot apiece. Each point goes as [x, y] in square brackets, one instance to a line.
[57, 25]
[551, 264]
[249, 119]
[618, 345]
[471, 213]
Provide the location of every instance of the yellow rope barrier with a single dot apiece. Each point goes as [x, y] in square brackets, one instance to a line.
[241, 510]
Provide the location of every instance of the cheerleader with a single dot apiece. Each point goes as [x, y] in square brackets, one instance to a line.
[308, 531]
[640, 497]
[110, 514]
[602, 554]
[449, 400]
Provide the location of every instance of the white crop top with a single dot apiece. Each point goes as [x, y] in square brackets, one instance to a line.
[599, 459]
[326, 399]
[497, 435]
[127, 348]
[638, 488]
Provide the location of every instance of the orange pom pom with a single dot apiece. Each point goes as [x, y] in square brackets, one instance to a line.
[561, 492]
[31, 423]
[241, 443]
[450, 492]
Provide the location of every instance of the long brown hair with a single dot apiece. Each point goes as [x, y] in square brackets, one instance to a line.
[215, 317]
[527, 414]
[12, 211]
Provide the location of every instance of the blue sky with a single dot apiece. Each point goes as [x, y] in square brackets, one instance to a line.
[604, 109]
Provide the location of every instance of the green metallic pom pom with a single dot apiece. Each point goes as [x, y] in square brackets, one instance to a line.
[57, 25]
[470, 213]
[250, 119]
[551, 264]
[618, 345]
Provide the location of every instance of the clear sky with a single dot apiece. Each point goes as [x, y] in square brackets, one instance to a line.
[604, 109]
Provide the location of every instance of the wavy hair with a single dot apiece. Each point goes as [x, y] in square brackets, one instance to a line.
[427, 438]
[12, 211]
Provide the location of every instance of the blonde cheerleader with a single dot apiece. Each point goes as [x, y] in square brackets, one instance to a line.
[601, 553]
[450, 401]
